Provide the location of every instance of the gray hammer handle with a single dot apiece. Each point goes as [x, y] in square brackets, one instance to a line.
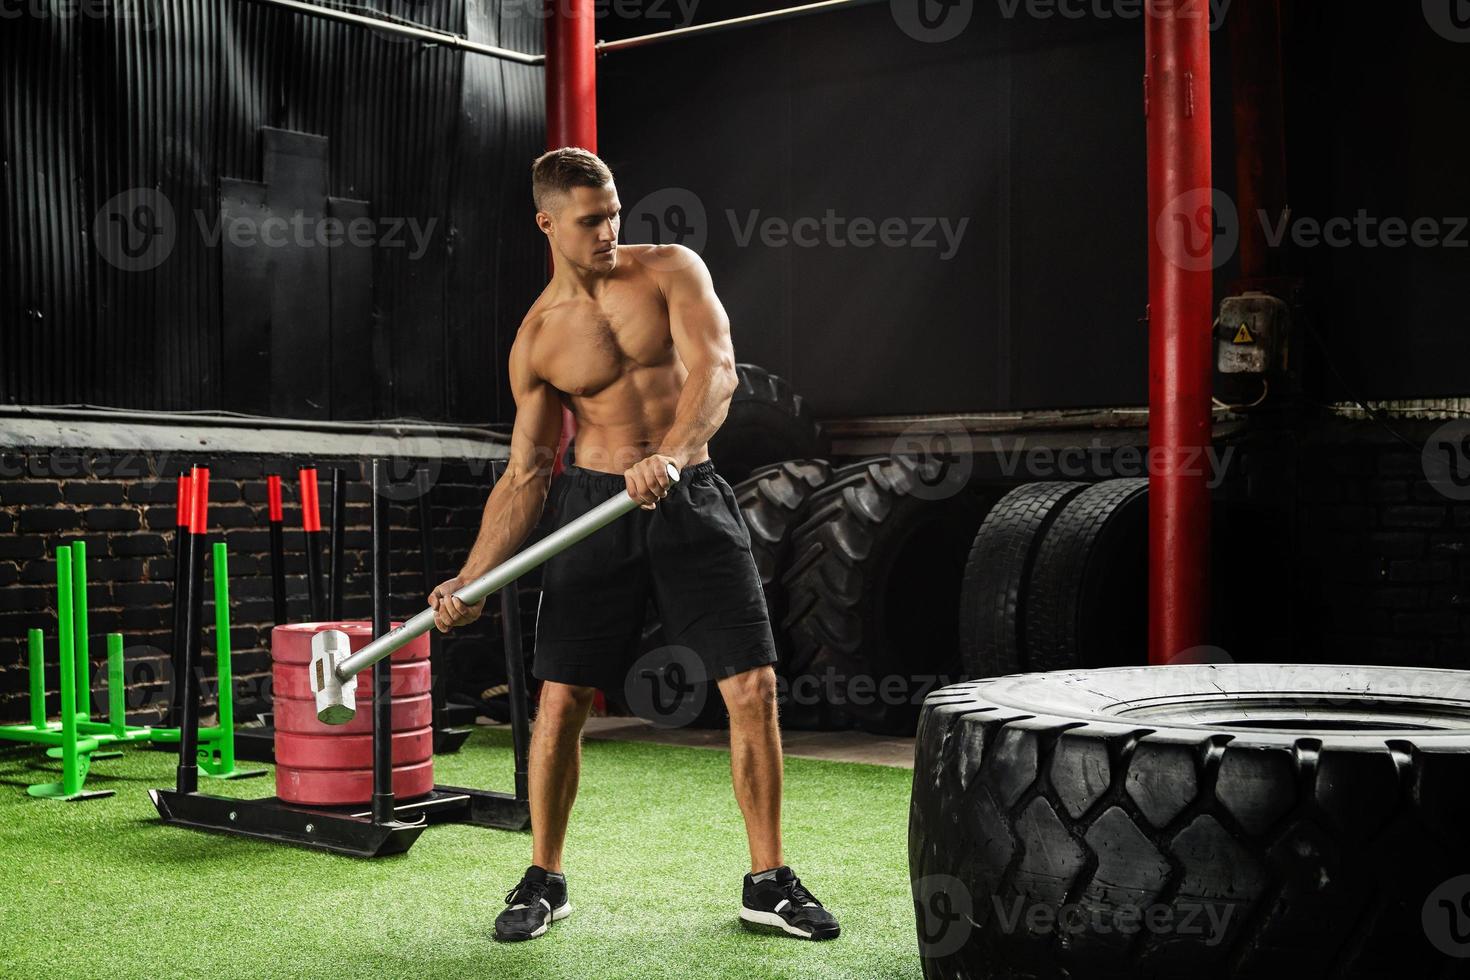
[503, 574]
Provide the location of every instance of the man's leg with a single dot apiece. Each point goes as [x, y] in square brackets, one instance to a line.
[755, 761]
[554, 766]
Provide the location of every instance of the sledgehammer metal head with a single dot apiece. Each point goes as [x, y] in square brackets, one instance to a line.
[336, 699]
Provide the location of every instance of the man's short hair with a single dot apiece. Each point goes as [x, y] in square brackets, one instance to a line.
[560, 170]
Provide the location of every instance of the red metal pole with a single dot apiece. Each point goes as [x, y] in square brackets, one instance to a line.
[571, 106]
[1181, 306]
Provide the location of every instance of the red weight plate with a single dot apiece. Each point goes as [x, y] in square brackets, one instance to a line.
[291, 643]
[298, 715]
[294, 680]
[346, 787]
[349, 751]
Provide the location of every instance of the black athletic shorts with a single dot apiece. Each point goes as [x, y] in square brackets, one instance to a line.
[690, 556]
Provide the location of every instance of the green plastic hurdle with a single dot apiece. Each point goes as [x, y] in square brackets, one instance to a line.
[75, 738]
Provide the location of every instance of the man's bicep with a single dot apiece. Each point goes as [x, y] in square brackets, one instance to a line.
[697, 319]
[538, 420]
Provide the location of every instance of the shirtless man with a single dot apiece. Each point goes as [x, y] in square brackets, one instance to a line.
[634, 341]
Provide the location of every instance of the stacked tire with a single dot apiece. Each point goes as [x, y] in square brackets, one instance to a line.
[332, 765]
[767, 423]
[871, 592]
[1057, 579]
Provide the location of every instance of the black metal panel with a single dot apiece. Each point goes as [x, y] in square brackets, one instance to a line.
[356, 379]
[170, 99]
[301, 361]
[245, 309]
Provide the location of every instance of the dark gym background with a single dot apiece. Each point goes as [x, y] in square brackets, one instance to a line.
[1042, 150]
[1032, 129]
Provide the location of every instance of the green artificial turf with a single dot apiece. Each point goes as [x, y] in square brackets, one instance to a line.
[654, 862]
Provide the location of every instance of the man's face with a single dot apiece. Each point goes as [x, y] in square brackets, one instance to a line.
[584, 227]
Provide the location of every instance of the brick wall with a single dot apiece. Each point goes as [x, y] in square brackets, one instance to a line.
[1385, 550]
[122, 506]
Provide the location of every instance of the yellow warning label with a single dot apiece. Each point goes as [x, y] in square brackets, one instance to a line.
[1244, 335]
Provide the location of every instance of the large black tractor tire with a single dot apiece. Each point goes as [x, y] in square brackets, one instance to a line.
[872, 591]
[767, 423]
[1200, 821]
[994, 593]
[1087, 597]
[773, 502]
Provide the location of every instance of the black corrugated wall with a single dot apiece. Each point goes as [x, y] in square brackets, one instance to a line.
[126, 301]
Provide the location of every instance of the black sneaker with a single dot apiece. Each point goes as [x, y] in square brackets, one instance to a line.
[776, 899]
[533, 905]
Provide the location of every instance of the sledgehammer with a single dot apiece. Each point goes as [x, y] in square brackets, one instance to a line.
[334, 667]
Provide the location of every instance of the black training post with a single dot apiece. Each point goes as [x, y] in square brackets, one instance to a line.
[383, 669]
[278, 547]
[515, 682]
[181, 595]
[188, 771]
[311, 526]
[338, 559]
[438, 682]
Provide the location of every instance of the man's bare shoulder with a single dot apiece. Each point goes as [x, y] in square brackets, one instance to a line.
[523, 347]
[666, 263]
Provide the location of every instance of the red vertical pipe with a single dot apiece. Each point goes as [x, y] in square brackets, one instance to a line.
[1181, 304]
[571, 106]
